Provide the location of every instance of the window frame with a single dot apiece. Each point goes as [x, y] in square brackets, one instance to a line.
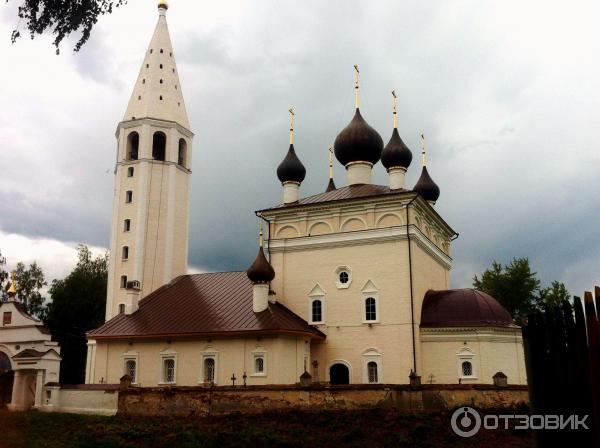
[165, 356]
[132, 356]
[372, 355]
[259, 353]
[209, 354]
[366, 311]
[317, 293]
[466, 355]
[338, 271]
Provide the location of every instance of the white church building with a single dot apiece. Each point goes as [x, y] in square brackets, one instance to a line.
[349, 286]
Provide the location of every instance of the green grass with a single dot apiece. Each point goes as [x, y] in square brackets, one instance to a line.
[383, 428]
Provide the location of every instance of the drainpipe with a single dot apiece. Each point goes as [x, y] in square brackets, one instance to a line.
[410, 276]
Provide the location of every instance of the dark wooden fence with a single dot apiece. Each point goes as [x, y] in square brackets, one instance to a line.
[562, 352]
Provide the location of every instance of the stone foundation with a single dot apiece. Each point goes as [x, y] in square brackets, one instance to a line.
[256, 399]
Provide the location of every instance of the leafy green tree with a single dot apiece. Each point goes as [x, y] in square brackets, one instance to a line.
[554, 295]
[77, 306]
[518, 289]
[62, 18]
[514, 285]
[29, 282]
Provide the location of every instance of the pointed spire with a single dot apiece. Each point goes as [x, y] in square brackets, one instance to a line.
[423, 155]
[291, 111]
[157, 92]
[356, 87]
[331, 185]
[394, 106]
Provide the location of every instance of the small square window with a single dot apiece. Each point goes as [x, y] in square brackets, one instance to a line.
[7, 318]
[130, 171]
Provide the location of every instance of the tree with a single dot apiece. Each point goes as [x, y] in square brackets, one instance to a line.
[62, 17]
[29, 283]
[77, 306]
[554, 295]
[518, 289]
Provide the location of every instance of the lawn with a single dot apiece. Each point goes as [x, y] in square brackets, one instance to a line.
[385, 428]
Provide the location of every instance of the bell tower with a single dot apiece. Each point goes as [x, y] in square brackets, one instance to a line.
[149, 234]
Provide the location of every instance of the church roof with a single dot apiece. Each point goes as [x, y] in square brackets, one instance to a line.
[214, 304]
[344, 193]
[463, 308]
[157, 92]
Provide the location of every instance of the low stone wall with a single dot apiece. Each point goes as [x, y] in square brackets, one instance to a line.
[97, 399]
[256, 399]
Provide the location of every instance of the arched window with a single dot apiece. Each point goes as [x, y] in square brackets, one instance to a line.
[131, 369]
[169, 370]
[159, 146]
[123, 281]
[182, 154]
[121, 308]
[133, 144]
[372, 372]
[259, 364]
[209, 369]
[317, 311]
[370, 309]
[467, 368]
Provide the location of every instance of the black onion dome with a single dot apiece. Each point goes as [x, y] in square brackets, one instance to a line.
[358, 142]
[396, 153]
[260, 271]
[291, 169]
[426, 187]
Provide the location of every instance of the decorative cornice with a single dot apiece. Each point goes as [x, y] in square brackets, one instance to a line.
[153, 122]
[360, 237]
[454, 334]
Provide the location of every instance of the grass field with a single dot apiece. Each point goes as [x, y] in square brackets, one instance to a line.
[378, 428]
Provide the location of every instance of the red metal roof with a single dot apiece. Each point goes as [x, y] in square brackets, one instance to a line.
[344, 193]
[463, 308]
[217, 304]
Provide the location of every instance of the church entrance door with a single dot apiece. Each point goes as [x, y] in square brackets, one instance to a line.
[6, 380]
[339, 374]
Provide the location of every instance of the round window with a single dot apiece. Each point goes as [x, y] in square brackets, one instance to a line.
[344, 277]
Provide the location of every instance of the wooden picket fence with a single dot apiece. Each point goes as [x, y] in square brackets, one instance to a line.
[562, 354]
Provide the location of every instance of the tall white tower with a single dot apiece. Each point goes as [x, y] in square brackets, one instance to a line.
[149, 242]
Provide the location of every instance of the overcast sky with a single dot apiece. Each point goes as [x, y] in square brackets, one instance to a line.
[507, 94]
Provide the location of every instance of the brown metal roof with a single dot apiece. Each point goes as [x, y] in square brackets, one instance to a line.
[344, 193]
[215, 304]
[463, 308]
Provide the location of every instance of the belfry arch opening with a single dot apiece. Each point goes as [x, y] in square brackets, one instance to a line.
[159, 146]
[133, 146]
[182, 154]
